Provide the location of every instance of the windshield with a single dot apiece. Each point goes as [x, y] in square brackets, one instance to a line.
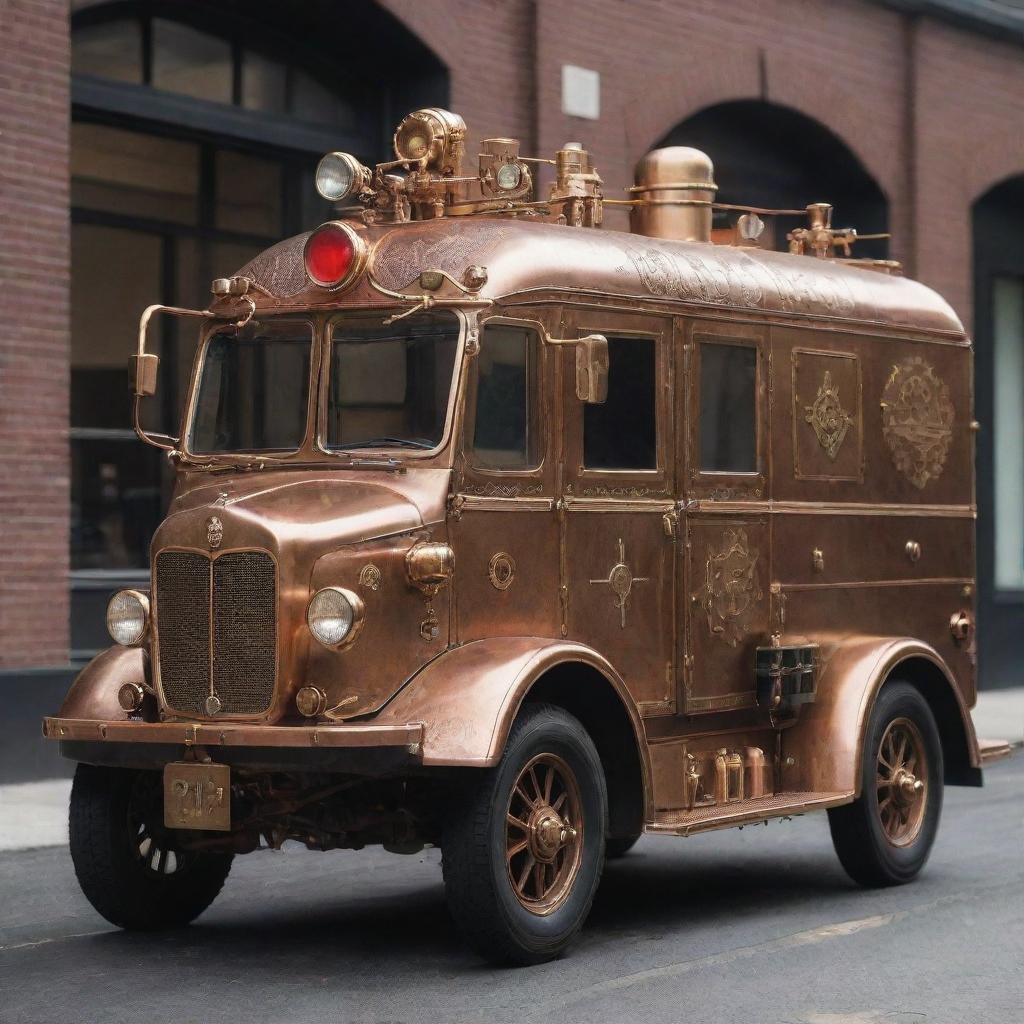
[254, 389]
[389, 386]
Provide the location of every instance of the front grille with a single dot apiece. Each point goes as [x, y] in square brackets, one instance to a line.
[235, 596]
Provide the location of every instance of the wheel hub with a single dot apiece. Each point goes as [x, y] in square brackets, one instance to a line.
[548, 833]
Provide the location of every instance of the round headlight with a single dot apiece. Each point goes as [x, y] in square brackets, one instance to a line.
[338, 176]
[128, 617]
[509, 177]
[334, 616]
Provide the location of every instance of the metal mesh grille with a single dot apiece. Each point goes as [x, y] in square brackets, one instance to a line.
[244, 630]
[280, 269]
[183, 628]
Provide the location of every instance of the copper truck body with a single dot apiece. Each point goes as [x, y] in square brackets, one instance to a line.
[574, 534]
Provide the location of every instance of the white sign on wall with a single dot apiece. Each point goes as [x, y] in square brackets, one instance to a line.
[581, 92]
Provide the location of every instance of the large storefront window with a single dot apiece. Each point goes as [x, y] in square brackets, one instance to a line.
[158, 210]
[1008, 356]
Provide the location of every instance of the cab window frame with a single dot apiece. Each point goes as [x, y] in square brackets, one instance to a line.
[537, 379]
[629, 482]
[323, 386]
[718, 483]
[211, 330]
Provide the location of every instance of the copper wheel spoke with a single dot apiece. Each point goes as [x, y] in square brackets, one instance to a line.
[547, 784]
[516, 823]
[525, 873]
[557, 805]
[518, 848]
[522, 796]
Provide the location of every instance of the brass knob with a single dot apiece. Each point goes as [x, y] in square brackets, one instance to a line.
[961, 625]
[913, 550]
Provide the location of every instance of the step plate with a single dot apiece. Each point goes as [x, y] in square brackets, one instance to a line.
[742, 812]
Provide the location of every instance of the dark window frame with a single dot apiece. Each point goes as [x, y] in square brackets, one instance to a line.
[723, 483]
[536, 420]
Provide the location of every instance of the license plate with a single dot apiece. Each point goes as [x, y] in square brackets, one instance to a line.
[197, 796]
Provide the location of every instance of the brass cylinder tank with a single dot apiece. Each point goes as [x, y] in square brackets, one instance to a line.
[677, 185]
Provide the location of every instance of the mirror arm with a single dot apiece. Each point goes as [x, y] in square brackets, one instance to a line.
[591, 365]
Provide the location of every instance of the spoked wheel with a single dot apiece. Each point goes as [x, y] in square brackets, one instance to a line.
[524, 846]
[543, 834]
[902, 773]
[132, 869]
[885, 836]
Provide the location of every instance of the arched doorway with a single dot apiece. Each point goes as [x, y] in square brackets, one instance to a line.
[998, 224]
[772, 156]
[196, 128]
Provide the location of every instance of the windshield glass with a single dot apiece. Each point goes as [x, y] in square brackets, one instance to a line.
[390, 385]
[254, 389]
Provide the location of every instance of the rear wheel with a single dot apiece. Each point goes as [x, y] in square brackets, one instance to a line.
[524, 848]
[132, 869]
[885, 836]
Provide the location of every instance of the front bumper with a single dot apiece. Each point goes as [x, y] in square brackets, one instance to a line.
[227, 735]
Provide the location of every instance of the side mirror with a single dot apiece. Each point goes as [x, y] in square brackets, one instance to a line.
[144, 373]
[591, 366]
[592, 369]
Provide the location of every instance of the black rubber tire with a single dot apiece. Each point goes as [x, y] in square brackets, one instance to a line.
[480, 895]
[105, 849]
[619, 846]
[864, 851]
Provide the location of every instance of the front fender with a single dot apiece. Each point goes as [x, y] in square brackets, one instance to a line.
[93, 694]
[827, 741]
[468, 698]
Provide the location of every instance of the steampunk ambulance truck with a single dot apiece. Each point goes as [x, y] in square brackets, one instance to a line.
[497, 531]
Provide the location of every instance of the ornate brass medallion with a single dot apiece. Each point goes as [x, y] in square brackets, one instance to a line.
[917, 420]
[621, 580]
[828, 417]
[501, 570]
[731, 589]
[214, 532]
[369, 577]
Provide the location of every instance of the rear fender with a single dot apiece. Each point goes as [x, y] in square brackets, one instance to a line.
[826, 743]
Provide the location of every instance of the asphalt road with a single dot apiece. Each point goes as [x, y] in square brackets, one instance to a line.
[756, 926]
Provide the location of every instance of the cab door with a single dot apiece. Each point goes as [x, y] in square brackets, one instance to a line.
[727, 570]
[617, 505]
[502, 523]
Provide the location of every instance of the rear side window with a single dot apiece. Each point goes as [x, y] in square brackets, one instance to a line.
[506, 430]
[622, 432]
[728, 408]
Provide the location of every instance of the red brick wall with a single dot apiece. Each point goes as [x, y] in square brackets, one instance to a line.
[934, 113]
[34, 352]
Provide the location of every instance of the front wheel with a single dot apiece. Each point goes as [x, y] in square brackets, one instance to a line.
[885, 836]
[524, 846]
[134, 871]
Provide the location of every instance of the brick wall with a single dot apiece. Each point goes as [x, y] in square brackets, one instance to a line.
[34, 355]
[935, 114]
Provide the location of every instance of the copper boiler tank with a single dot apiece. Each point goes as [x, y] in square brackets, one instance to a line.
[677, 187]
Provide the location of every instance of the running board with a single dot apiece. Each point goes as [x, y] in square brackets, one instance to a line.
[742, 812]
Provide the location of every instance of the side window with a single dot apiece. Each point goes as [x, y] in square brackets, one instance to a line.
[728, 408]
[622, 432]
[506, 433]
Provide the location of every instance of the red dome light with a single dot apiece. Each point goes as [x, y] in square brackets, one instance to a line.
[334, 254]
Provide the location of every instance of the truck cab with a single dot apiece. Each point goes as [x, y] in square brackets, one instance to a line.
[499, 531]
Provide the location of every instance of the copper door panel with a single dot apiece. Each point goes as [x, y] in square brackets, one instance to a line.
[619, 576]
[727, 609]
[828, 422]
[506, 578]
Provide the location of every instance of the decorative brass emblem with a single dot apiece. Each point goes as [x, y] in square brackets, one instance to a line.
[917, 420]
[214, 532]
[369, 577]
[621, 580]
[429, 627]
[828, 417]
[730, 589]
[501, 570]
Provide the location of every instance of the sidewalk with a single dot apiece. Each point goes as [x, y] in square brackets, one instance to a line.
[34, 814]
